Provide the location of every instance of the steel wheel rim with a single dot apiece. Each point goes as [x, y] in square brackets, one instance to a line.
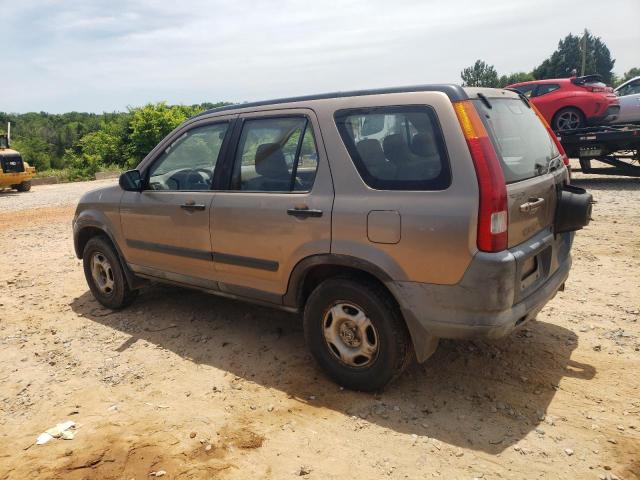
[568, 121]
[102, 273]
[349, 334]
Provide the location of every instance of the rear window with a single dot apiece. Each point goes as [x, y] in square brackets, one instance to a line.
[522, 142]
[396, 148]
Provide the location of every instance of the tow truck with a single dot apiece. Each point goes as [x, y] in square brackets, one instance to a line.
[615, 145]
[14, 171]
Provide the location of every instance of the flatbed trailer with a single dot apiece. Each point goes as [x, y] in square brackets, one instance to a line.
[615, 145]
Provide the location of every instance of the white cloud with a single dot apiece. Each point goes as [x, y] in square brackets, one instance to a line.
[105, 55]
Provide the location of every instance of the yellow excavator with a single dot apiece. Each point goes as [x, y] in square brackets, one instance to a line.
[14, 171]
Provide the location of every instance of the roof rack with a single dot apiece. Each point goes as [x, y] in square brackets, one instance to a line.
[454, 92]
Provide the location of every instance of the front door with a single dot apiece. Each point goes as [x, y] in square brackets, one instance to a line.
[277, 209]
[166, 226]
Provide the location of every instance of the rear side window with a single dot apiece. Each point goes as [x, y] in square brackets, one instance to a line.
[526, 90]
[545, 88]
[522, 142]
[396, 148]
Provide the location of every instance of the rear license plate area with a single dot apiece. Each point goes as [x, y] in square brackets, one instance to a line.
[529, 272]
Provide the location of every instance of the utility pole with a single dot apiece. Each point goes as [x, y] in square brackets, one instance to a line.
[584, 52]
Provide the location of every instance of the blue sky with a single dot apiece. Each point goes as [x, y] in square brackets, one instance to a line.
[105, 55]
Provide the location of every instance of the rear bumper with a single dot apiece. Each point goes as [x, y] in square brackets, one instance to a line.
[610, 115]
[492, 298]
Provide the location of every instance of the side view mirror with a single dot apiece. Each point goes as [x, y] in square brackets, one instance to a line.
[131, 181]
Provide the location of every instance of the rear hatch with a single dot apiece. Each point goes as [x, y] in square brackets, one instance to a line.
[532, 166]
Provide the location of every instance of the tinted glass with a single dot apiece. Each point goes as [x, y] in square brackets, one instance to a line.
[189, 162]
[396, 148]
[632, 88]
[546, 88]
[275, 155]
[526, 90]
[522, 142]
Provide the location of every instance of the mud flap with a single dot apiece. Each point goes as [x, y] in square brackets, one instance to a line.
[424, 344]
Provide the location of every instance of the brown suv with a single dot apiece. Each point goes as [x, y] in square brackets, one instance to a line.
[388, 218]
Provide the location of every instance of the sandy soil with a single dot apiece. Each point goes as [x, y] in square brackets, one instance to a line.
[202, 387]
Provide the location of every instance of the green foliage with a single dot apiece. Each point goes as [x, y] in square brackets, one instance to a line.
[151, 123]
[80, 144]
[514, 78]
[568, 57]
[480, 74]
[634, 72]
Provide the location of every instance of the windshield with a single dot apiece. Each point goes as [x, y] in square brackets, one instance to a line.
[522, 142]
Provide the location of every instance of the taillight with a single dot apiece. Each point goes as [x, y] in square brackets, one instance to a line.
[554, 137]
[493, 218]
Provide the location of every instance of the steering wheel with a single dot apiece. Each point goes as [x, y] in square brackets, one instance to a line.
[193, 177]
[208, 173]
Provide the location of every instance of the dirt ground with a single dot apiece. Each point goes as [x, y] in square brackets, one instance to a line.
[202, 387]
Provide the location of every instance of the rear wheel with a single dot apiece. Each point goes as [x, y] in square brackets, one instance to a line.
[356, 333]
[24, 186]
[104, 274]
[568, 118]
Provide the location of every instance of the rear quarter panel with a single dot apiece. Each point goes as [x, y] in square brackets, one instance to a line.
[551, 103]
[438, 228]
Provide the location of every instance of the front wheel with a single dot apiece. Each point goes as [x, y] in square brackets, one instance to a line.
[104, 274]
[356, 333]
[568, 119]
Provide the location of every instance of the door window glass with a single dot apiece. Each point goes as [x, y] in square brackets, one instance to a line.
[275, 155]
[189, 162]
[632, 88]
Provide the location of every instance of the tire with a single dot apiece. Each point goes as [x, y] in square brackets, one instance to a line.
[568, 118]
[107, 282]
[344, 317]
[24, 186]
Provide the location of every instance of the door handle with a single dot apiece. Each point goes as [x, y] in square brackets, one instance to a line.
[191, 206]
[532, 205]
[304, 212]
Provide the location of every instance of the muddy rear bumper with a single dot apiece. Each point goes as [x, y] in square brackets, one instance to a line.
[498, 292]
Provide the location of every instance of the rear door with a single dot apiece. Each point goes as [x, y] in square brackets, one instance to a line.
[531, 164]
[277, 208]
[166, 226]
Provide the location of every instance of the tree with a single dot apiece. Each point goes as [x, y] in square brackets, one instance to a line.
[479, 75]
[569, 57]
[151, 123]
[634, 72]
[514, 78]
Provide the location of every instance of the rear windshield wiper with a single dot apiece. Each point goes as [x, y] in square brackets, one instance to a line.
[485, 100]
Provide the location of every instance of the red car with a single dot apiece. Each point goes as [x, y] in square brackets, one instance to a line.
[569, 103]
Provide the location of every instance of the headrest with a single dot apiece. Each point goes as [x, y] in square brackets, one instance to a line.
[396, 149]
[424, 145]
[270, 161]
[370, 151]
